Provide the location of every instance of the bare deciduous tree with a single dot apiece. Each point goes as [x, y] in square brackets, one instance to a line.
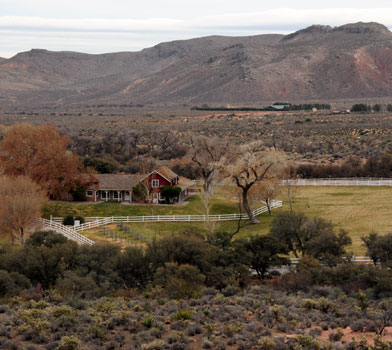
[252, 165]
[20, 206]
[209, 224]
[266, 192]
[206, 153]
[290, 173]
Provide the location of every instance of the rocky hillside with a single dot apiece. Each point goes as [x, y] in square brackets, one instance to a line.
[319, 62]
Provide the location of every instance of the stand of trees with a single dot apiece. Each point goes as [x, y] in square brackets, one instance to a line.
[365, 108]
[375, 166]
[40, 153]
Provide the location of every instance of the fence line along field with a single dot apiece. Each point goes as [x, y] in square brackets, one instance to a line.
[360, 181]
[359, 210]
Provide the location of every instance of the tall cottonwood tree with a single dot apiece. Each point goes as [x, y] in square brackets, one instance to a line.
[40, 152]
[20, 206]
[251, 165]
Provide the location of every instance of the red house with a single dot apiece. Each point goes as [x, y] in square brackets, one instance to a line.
[119, 187]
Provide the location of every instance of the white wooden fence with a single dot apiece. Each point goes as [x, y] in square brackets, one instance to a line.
[360, 181]
[93, 222]
[73, 235]
[66, 231]
[355, 259]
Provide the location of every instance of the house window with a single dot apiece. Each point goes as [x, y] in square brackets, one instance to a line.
[89, 193]
[155, 183]
[104, 194]
[116, 195]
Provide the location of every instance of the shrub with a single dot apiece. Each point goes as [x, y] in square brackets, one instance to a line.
[230, 291]
[326, 305]
[154, 345]
[179, 281]
[309, 304]
[34, 327]
[7, 284]
[63, 310]
[266, 343]
[170, 193]
[358, 325]
[68, 343]
[69, 220]
[149, 321]
[336, 336]
[314, 332]
[207, 344]
[4, 309]
[305, 342]
[96, 332]
[45, 238]
[182, 315]
[193, 330]
[79, 194]
[73, 285]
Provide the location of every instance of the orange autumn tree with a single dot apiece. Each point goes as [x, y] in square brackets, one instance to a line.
[40, 152]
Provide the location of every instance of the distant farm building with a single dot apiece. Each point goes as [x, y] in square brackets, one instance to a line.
[278, 107]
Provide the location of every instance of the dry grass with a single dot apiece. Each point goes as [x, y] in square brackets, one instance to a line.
[359, 210]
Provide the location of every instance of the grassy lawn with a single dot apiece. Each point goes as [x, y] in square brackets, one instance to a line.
[359, 210]
[224, 202]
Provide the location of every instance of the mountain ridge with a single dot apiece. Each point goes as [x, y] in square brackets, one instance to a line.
[318, 62]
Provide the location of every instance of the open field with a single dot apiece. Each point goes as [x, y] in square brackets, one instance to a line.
[359, 210]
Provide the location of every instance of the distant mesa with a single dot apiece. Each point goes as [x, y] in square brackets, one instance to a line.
[318, 63]
[363, 28]
[312, 30]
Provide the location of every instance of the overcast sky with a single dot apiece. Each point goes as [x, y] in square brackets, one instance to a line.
[96, 26]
